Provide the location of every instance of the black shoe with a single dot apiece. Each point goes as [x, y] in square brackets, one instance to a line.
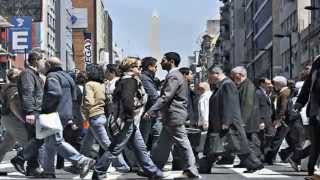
[98, 176]
[252, 170]
[18, 164]
[72, 169]
[239, 166]
[225, 161]
[85, 166]
[34, 172]
[47, 176]
[3, 173]
[151, 177]
[293, 164]
[191, 175]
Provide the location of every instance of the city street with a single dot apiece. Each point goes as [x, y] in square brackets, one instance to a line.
[278, 171]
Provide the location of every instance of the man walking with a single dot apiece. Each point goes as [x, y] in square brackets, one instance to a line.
[30, 89]
[172, 103]
[223, 118]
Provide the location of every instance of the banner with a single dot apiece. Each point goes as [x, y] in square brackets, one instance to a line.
[87, 48]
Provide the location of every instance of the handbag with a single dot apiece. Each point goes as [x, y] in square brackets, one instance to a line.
[47, 125]
[115, 125]
[232, 141]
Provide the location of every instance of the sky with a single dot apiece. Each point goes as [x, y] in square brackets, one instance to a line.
[181, 24]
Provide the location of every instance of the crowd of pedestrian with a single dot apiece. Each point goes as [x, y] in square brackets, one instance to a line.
[141, 124]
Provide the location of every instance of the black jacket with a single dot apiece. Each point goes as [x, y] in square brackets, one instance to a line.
[59, 94]
[310, 92]
[265, 106]
[30, 88]
[149, 84]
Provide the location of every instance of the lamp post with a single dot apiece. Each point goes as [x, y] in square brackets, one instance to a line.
[290, 50]
[270, 52]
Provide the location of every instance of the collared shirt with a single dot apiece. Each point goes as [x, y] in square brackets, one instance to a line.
[173, 69]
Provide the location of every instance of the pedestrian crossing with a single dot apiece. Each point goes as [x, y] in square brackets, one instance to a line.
[279, 171]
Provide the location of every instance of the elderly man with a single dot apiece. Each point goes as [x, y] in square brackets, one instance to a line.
[59, 93]
[223, 119]
[279, 116]
[249, 107]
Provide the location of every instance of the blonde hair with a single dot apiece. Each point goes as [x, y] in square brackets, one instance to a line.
[128, 62]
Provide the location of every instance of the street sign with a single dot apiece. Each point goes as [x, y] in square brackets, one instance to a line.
[20, 34]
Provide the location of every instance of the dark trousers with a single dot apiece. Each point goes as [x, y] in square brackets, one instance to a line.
[276, 142]
[295, 139]
[315, 145]
[150, 131]
[31, 150]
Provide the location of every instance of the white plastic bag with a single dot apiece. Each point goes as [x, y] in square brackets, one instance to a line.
[47, 125]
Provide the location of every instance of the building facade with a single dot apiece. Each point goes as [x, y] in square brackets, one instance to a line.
[293, 20]
[94, 30]
[64, 49]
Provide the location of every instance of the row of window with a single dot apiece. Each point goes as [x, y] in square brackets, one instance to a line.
[290, 24]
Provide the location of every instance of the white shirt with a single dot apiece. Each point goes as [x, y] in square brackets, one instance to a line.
[203, 107]
[111, 86]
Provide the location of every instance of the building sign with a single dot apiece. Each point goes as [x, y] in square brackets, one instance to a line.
[20, 35]
[79, 18]
[87, 48]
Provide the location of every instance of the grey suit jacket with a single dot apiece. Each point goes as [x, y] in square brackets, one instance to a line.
[173, 100]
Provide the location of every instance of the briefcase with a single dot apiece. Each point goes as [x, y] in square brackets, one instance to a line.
[197, 138]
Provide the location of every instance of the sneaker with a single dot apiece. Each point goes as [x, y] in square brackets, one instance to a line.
[18, 164]
[85, 166]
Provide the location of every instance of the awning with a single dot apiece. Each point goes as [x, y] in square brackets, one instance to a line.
[4, 23]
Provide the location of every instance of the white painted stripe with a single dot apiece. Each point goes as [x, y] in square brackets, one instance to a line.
[263, 173]
[5, 165]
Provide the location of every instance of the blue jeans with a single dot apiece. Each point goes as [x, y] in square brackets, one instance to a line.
[98, 132]
[130, 135]
[56, 144]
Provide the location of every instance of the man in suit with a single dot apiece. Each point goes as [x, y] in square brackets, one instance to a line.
[265, 113]
[223, 119]
[172, 103]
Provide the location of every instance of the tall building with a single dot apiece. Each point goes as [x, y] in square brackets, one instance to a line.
[293, 20]
[155, 35]
[64, 49]
[237, 32]
[109, 37]
[310, 37]
[258, 37]
[89, 34]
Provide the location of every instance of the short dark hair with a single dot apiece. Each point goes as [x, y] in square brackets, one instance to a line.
[262, 80]
[147, 61]
[34, 56]
[173, 56]
[216, 68]
[113, 68]
[95, 72]
[185, 70]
